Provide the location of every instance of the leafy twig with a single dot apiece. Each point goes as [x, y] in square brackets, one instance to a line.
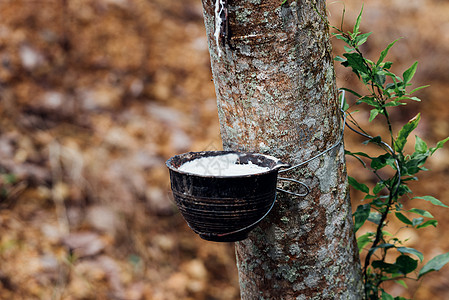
[382, 96]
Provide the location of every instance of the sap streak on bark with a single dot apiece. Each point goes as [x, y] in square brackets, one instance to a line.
[276, 94]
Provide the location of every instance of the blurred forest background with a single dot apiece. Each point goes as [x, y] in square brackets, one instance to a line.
[95, 95]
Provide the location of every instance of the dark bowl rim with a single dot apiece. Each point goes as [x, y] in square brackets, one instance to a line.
[279, 164]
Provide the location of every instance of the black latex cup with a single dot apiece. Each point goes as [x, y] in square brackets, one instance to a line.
[224, 208]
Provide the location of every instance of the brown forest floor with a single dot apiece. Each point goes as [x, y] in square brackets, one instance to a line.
[95, 95]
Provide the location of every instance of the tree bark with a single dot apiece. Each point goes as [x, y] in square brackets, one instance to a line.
[276, 94]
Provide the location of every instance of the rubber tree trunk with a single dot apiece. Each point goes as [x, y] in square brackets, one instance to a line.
[275, 84]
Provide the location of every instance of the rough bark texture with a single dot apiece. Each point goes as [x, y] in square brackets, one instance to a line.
[276, 94]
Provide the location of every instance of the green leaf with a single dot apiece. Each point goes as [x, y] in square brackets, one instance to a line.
[420, 145]
[357, 22]
[394, 103]
[404, 189]
[383, 160]
[379, 79]
[414, 99]
[417, 221]
[433, 222]
[381, 246]
[370, 101]
[361, 215]
[373, 114]
[386, 267]
[432, 200]
[409, 73]
[401, 282]
[342, 37]
[434, 264]
[386, 233]
[348, 49]
[419, 88]
[387, 65]
[403, 218]
[415, 252]
[343, 103]
[363, 240]
[378, 203]
[386, 296]
[356, 62]
[355, 156]
[379, 187]
[374, 217]
[368, 197]
[347, 152]
[406, 264]
[421, 212]
[361, 39]
[405, 131]
[339, 58]
[352, 92]
[413, 164]
[384, 53]
[358, 186]
[375, 140]
[440, 145]
[411, 178]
